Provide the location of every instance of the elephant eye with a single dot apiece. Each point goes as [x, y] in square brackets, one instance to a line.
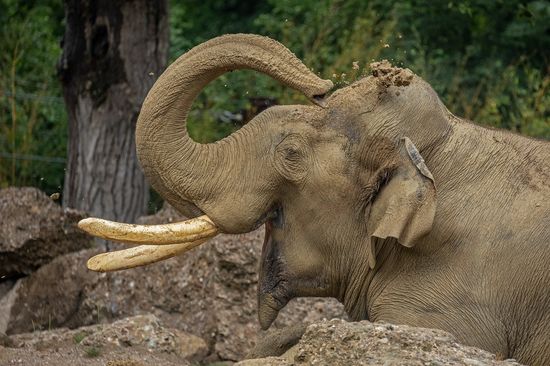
[292, 154]
[291, 157]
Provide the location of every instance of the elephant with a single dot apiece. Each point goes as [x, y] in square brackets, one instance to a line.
[375, 194]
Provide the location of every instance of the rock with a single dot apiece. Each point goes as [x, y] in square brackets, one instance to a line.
[338, 342]
[48, 298]
[5, 341]
[190, 347]
[146, 330]
[145, 340]
[6, 286]
[35, 230]
[7, 303]
[267, 361]
[140, 340]
[166, 214]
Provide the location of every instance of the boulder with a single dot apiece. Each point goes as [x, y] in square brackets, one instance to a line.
[5, 286]
[338, 342]
[49, 297]
[34, 231]
[139, 340]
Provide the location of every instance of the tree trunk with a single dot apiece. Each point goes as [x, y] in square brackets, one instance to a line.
[113, 52]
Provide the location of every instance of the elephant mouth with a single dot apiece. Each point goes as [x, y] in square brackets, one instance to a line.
[274, 290]
[281, 280]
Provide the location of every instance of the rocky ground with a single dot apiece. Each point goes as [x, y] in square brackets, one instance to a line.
[200, 307]
[338, 342]
[139, 340]
[143, 340]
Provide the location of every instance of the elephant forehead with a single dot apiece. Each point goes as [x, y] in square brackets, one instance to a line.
[386, 82]
[356, 96]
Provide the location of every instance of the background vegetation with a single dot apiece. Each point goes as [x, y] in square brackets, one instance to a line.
[488, 60]
[32, 114]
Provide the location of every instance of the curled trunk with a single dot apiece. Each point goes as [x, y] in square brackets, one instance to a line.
[192, 176]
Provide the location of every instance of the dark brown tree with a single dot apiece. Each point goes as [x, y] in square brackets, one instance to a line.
[113, 51]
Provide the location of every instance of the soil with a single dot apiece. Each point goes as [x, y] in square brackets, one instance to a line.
[388, 75]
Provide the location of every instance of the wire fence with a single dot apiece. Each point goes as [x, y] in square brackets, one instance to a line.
[33, 96]
[45, 159]
[41, 98]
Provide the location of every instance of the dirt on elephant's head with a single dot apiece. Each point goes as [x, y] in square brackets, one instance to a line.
[388, 75]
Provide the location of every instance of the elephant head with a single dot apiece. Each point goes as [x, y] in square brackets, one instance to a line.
[329, 180]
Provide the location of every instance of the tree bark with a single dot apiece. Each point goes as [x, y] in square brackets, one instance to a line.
[113, 51]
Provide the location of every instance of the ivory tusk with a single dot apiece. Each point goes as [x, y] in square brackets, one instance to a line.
[138, 256]
[164, 234]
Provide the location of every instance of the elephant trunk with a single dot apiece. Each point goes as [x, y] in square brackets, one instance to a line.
[192, 176]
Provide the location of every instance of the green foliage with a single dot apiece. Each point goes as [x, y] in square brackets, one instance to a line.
[79, 337]
[193, 22]
[488, 60]
[32, 114]
[92, 352]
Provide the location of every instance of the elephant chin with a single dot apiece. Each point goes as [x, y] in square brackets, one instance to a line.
[273, 288]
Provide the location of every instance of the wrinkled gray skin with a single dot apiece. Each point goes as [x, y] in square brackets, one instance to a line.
[460, 243]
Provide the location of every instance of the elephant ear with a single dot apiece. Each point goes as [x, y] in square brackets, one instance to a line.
[404, 208]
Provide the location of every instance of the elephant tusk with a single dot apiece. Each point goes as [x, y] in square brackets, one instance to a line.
[138, 256]
[164, 234]
[164, 241]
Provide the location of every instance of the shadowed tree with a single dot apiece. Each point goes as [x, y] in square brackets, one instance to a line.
[113, 51]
